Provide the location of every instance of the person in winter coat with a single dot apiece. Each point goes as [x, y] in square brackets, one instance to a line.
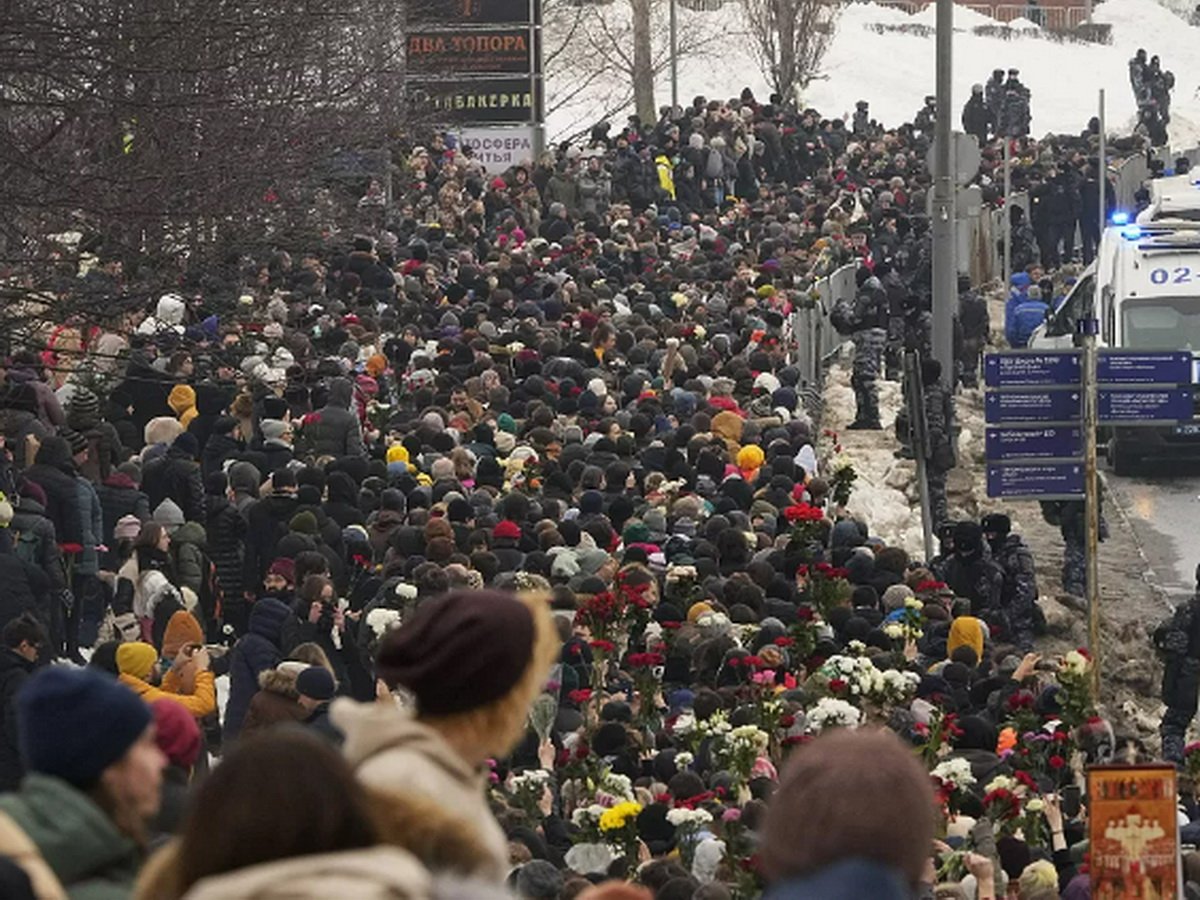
[1019, 593]
[19, 424]
[870, 322]
[938, 398]
[474, 661]
[226, 531]
[105, 451]
[144, 585]
[276, 702]
[27, 369]
[256, 652]
[270, 847]
[1177, 641]
[26, 587]
[190, 563]
[334, 429]
[224, 443]
[21, 643]
[506, 539]
[54, 472]
[266, 524]
[93, 784]
[33, 536]
[319, 617]
[972, 574]
[595, 188]
[182, 401]
[973, 331]
[176, 475]
[826, 836]
[178, 737]
[315, 689]
[976, 117]
[120, 496]
[189, 681]
[275, 451]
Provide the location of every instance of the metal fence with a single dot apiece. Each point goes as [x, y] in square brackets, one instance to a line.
[813, 338]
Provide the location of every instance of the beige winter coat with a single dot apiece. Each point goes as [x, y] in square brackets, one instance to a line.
[440, 809]
[376, 873]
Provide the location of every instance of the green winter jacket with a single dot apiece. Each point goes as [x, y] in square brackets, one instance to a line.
[79, 842]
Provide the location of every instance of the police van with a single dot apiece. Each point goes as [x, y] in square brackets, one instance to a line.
[1144, 287]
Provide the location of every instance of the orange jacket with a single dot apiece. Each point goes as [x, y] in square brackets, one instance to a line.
[201, 702]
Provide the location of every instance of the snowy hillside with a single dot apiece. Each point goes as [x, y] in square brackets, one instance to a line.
[894, 71]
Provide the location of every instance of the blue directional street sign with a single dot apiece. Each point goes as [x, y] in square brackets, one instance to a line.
[1119, 367]
[1031, 369]
[1145, 405]
[1061, 405]
[1043, 481]
[1050, 442]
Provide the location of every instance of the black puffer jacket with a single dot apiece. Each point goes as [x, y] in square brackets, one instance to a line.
[267, 523]
[26, 587]
[120, 497]
[226, 531]
[14, 672]
[54, 473]
[175, 475]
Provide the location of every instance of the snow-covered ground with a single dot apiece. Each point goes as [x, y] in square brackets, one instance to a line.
[895, 71]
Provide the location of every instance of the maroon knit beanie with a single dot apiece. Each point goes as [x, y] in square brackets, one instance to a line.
[460, 651]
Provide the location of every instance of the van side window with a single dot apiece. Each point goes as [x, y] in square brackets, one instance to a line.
[1077, 305]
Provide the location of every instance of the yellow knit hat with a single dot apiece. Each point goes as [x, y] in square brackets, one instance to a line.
[750, 457]
[136, 659]
[397, 453]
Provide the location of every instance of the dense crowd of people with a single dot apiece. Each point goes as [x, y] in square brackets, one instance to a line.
[516, 534]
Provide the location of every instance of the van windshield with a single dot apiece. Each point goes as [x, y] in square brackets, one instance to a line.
[1162, 323]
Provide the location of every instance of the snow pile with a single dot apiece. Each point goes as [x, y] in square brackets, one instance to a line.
[895, 71]
[885, 495]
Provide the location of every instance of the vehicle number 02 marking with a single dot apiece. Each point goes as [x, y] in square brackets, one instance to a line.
[1177, 275]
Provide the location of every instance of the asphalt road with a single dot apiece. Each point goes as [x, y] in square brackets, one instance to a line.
[1162, 502]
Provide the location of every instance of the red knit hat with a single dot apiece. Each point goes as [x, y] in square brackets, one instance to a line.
[507, 529]
[284, 568]
[176, 733]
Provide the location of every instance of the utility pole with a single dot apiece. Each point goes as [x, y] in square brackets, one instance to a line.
[1089, 325]
[1103, 173]
[945, 275]
[1007, 218]
[674, 57]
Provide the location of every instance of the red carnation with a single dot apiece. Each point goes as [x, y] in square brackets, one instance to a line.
[1056, 762]
[805, 614]
[837, 685]
[784, 641]
[603, 646]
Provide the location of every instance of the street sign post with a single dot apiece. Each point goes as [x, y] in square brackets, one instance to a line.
[1145, 406]
[1044, 405]
[1006, 444]
[1011, 370]
[1042, 481]
[1119, 367]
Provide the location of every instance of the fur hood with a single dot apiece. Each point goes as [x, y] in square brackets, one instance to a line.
[437, 804]
[280, 682]
[376, 873]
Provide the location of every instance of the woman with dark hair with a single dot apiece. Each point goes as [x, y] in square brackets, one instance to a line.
[319, 617]
[145, 585]
[292, 819]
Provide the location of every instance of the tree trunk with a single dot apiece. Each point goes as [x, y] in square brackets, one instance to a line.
[643, 67]
[785, 25]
